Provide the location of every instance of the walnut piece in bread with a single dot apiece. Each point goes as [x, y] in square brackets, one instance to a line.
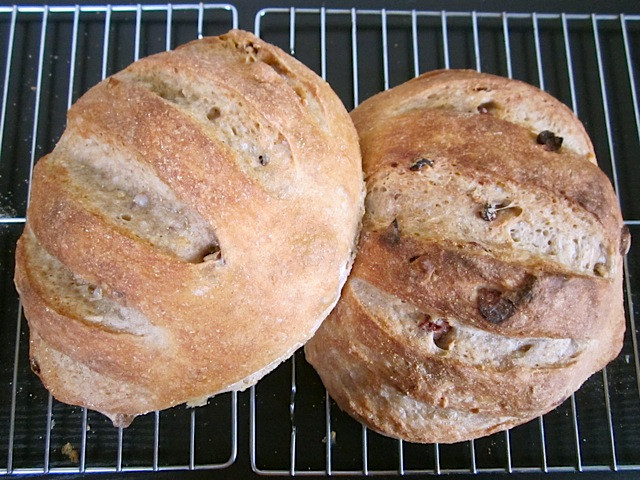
[488, 282]
[191, 229]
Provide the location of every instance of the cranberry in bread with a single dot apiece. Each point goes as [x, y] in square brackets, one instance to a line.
[488, 282]
[191, 229]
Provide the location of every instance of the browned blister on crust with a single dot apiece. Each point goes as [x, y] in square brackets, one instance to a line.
[488, 282]
[191, 229]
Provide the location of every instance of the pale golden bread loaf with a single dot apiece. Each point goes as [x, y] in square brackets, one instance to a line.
[191, 229]
[488, 281]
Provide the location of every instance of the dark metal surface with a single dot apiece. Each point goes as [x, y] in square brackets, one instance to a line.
[583, 60]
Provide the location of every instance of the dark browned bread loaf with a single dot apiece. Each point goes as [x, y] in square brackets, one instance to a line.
[488, 283]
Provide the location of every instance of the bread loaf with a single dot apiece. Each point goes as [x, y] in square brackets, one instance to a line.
[191, 229]
[488, 283]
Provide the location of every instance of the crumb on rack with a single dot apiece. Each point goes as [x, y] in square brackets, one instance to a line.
[333, 438]
[70, 452]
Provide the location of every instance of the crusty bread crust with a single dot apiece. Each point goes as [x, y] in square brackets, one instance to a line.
[191, 229]
[488, 282]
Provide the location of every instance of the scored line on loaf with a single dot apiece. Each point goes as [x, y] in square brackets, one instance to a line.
[76, 298]
[127, 192]
[454, 338]
[259, 149]
[556, 232]
[463, 91]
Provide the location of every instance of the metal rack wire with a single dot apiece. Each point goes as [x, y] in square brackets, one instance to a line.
[458, 39]
[67, 431]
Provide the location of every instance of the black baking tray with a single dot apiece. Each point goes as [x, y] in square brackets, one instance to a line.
[594, 435]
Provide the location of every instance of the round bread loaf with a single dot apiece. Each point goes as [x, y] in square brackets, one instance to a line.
[191, 229]
[488, 282]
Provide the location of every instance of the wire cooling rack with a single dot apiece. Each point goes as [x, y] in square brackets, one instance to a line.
[51, 55]
[589, 62]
